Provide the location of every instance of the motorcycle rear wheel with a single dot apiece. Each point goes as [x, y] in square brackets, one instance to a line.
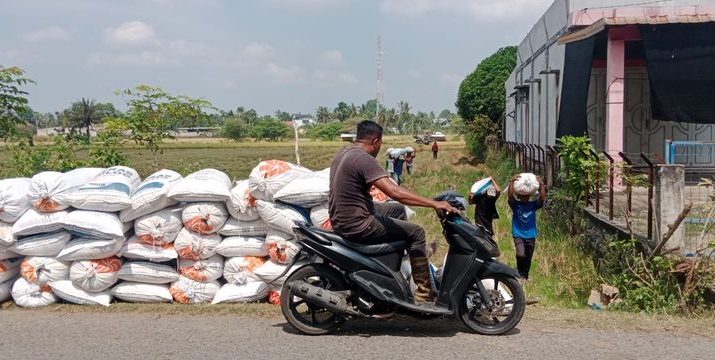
[508, 305]
[307, 318]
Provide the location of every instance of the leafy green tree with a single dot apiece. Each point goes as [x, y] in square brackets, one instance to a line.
[283, 116]
[368, 109]
[269, 128]
[322, 115]
[151, 112]
[404, 118]
[85, 113]
[343, 111]
[234, 129]
[328, 132]
[481, 93]
[13, 101]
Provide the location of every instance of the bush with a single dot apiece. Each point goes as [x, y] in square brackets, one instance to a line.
[106, 148]
[28, 160]
[327, 132]
[270, 129]
[479, 135]
[234, 129]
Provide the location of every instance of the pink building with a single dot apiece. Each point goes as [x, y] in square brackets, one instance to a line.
[629, 73]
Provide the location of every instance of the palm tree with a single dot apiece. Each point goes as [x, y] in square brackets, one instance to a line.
[322, 114]
[85, 113]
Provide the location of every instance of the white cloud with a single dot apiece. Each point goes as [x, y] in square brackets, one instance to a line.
[48, 33]
[303, 4]
[332, 78]
[141, 58]
[478, 9]
[284, 74]
[256, 51]
[332, 58]
[131, 33]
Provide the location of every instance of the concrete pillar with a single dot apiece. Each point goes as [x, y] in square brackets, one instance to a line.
[615, 91]
[669, 202]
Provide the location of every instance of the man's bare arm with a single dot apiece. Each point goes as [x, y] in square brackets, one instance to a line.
[408, 197]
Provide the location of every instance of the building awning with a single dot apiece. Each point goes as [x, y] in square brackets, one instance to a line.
[600, 25]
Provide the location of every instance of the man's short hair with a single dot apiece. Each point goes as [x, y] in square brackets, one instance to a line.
[368, 129]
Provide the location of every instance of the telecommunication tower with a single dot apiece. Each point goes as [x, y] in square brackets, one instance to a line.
[379, 99]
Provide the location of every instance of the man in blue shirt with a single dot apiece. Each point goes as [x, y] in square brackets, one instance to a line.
[523, 225]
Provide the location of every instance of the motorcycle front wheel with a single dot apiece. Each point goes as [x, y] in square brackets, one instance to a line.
[308, 318]
[508, 303]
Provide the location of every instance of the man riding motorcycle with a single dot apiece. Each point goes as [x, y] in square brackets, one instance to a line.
[356, 218]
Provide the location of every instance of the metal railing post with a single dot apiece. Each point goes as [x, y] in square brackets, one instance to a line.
[628, 184]
[598, 181]
[611, 171]
[651, 182]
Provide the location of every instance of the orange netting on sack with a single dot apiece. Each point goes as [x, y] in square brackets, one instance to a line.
[46, 205]
[179, 295]
[107, 265]
[27, 271]
[199, 224]
[272, 168]
[274, 297]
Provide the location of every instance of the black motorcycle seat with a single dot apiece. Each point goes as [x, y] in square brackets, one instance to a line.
[367, 249]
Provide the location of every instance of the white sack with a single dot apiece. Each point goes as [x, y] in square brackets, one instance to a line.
[193, 246]
[204, 217]
[34, 222]
[5, 288]
[6, 237]
[95, 275]
[203, 185]
[235, 227]
[160, 227]
[187, 291]
[526, 184]
[9, 269]
[250, 292]
[242, 204]
[325, 173]
[109, 191]
[271, 270]
[280, 248]
[148, 272]
[135, 249]
[97, 224]
[409, 213]
[69, 292]
[482, 186]
[141, 293]
[279, 217]
[41, 270]
[239, 270]
[14, 198]
[202, 270]
[307, 191]
[320, 217]
[151, 195]
[26, 294]
[6, 253]
[272, 175]
[90, 249]
[242, 246]
[48, 244]
[49, 189]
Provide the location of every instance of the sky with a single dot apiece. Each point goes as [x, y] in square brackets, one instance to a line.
[292, 55]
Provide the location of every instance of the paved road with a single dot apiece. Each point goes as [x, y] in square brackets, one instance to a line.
[44, 335]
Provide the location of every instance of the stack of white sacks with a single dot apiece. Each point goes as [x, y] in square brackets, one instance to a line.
[92, 235]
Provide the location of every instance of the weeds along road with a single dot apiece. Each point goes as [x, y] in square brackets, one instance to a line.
[107, 335]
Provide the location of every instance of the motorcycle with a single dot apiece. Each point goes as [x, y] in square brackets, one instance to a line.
[344, 280]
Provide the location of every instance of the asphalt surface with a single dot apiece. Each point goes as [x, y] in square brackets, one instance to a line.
[53, 335]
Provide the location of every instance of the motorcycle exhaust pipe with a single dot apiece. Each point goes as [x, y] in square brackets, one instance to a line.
[331, 300]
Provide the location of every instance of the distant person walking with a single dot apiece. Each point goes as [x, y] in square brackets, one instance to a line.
[390, 166]
[409, 158]
[399, 162]
[435, 150]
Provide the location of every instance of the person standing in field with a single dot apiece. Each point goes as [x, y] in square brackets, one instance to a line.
[409, 158]
[523, 225]
[435, 150]
[399, 162]
[390, 166]
[485, 209]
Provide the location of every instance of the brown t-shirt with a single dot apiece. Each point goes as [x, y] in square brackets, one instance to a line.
[350, 205]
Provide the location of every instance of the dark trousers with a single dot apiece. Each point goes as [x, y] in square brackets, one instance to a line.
[434, 154]
[390, 224]
[524, 253]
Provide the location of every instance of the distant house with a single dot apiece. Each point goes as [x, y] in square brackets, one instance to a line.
[304, 120]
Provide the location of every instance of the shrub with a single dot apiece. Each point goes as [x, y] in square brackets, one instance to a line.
[328, 131]
[234, 129]
[270, 129]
